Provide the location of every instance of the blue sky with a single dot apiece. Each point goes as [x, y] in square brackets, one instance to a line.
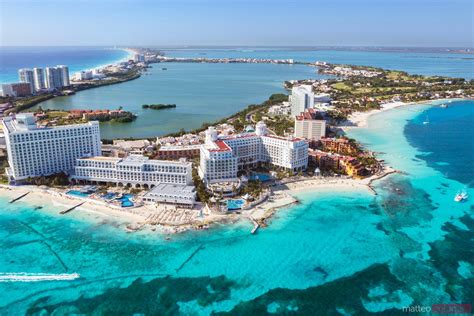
[237, 22]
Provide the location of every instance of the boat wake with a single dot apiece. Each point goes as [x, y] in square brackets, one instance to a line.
[36, 277]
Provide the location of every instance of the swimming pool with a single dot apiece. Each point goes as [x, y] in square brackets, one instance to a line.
[125, 200]
[78, 193]
[235, 204]
[260, 176]
[109, 195]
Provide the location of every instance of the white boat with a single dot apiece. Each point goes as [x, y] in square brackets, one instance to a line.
[426, 121]
[461, 196]
[444, 105]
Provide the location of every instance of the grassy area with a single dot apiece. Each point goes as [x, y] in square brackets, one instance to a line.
[341, 86]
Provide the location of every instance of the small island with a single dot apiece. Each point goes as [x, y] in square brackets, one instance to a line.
[158, 106]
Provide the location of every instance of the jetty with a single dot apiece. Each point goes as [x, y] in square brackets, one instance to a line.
[20, 197]
[71, 208]
[256, 226]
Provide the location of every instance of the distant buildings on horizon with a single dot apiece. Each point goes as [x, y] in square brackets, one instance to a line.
[36, 80]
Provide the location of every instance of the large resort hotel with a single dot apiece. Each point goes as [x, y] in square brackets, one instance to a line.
[39, 151]
[133, 170]
[223, 157]
[75, 150]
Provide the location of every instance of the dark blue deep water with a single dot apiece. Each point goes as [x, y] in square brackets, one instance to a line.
[447, 140]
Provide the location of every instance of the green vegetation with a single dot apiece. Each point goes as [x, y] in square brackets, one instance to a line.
[364, 93]
[55, 180]
[3, 165]
[57, 117]
[239, 119]
[22, 104]
[158, 106]
[201, 191]
[253, 188]
[280, 124]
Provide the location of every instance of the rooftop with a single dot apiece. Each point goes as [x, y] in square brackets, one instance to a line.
[166, 188]
[137, 160]
[180, 147]
[221, 146]
[24, 123]
[309, 114]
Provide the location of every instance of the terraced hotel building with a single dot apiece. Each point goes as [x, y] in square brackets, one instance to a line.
[133, 170]
[223, 157]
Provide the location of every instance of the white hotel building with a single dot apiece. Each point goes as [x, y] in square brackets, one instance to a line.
[301, 98]
[222, 158]
[132, 171]
[39, 151]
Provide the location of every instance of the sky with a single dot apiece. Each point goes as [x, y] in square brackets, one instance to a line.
[430, 23]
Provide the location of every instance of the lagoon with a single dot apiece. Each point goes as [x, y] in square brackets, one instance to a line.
[201, 92]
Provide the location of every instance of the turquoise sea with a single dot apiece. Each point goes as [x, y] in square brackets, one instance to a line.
[77, 58]
[207, 92]
[336, 253]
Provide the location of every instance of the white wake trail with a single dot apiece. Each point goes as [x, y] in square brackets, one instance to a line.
[36, 277]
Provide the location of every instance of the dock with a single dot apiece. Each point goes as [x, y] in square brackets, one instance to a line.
[20, 197]
[71, 208]
[256, 226]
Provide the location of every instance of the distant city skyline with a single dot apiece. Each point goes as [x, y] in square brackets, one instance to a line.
[420, 23]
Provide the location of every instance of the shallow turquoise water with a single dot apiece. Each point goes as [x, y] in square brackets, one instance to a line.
[336, 251]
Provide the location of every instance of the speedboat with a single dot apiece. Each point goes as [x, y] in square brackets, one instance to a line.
[444, 105]
[461, 196]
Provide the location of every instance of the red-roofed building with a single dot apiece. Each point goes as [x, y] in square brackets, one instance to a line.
[310, 125]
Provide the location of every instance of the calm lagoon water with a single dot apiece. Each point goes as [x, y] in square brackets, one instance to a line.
[336, 252]
[202, 93]
[207, 92]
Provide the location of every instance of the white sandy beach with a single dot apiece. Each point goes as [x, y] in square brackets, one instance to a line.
[360, 119]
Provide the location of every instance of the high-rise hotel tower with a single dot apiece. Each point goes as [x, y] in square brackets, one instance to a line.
[40, 151]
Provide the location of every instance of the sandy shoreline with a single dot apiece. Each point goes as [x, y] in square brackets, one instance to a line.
[130, 55]
[361, 119]
[54, 201]
[283, 195]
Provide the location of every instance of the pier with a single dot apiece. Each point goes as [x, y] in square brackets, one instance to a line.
[20, 197]
[256, 226]
[71, 208]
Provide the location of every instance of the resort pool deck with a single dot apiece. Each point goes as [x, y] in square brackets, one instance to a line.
[125, 200]
[78, 193]
[235, 204]
[260, 176]
[109, 195]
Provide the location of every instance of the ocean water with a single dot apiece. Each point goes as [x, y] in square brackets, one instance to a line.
[202, 93]
[77, 58]
[422, 63]
[337, 252]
